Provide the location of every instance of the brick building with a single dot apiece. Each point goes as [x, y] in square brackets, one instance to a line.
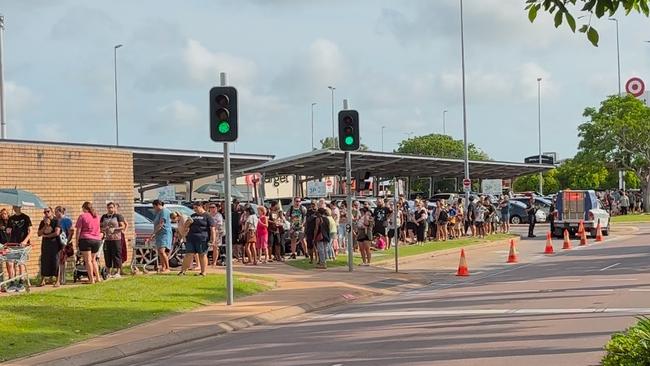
[69, 174]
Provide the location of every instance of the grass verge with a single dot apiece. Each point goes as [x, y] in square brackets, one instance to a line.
[404, 251]
[631, 218]
[45, 320]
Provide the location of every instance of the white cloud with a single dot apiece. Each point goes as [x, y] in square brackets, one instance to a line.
[19, 98]
[204, 65]
[179, 114]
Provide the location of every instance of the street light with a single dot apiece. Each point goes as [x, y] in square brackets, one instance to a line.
[117, 125]
[618, 56]
[462, 56]
[333, 124]
[382, 138]
[539, 130]
[312, 126]
[444, 122]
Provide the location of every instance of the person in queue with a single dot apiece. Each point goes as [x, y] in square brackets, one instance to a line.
[4, 239]
[19, 231]
[201, 232]
[67, 233]
[112, 225]
[531, 210]
[250, 236]
[296, 216]
[262, 242]
[321, 237]
[504, 208]
[364, 228]
[217, 217]
[49, 230]
[276, 220]
[88, 238]
[162, 234]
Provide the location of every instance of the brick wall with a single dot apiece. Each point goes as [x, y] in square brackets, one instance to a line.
[68, 176]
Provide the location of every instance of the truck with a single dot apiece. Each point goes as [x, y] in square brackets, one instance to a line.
[573, 206]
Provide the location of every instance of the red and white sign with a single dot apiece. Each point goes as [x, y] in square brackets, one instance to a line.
[635, 86]
[467, 183]
[329, 185]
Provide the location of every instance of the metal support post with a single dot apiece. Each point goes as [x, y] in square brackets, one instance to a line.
[228, 219]
[396, 230]
[3, 118]
[348, 191]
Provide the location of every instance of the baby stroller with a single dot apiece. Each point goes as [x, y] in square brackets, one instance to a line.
[80, 266]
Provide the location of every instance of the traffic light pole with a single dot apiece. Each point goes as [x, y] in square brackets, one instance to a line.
[228, 212]
[348, 229]
[396, 228]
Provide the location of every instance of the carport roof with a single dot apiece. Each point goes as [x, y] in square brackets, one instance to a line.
[156, 166]
[387, 165]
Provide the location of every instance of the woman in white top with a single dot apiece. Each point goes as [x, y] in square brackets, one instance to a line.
[251, 236]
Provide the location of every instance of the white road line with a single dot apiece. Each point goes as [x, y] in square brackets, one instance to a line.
[386, 314]
[561, 280]
[491, 292]
[616, 279]
[594, 290]
[640, 289]
[612, 266]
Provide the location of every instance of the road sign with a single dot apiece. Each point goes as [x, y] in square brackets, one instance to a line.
[329, 185]
[546, 159]
[467, 184]
[492, 186]
[635, 86]
[316, 189]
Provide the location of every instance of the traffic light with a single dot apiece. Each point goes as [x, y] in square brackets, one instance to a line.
[223, 114]
[349, 130]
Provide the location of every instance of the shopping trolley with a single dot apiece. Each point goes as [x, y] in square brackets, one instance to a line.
[145, 256]
[19, 255]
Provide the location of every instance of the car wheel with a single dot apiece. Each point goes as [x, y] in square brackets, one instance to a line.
[515, 220]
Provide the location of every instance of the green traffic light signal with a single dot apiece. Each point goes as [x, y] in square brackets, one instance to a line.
[224, 127]
[349, 140]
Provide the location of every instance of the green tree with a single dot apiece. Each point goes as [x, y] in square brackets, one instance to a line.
[530, 182]
[333, 143]
[583, 172]
[568, 9]
[440, 146]
[618, 134]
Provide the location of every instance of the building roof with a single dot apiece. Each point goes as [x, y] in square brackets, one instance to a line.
[160, 167]
[387, 165]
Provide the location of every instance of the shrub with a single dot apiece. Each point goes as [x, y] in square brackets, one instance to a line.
[630, 348]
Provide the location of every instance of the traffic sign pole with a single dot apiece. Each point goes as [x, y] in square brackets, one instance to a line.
[396, 228]
[348, 184]
[228, 220]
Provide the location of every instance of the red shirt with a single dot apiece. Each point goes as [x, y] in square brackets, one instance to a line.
[88, 227]
[262, 229]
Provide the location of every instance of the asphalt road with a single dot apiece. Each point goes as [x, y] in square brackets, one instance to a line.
[557, 310]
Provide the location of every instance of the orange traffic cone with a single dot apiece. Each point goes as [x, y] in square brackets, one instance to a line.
[549, 244]
[583, 237]
[581, 227]
[567, 241]
[512, 256]
[599, 232]
[462, 266]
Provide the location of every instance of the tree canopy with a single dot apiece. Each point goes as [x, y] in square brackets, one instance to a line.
[333, 143]
[568, 9]
[440, 146]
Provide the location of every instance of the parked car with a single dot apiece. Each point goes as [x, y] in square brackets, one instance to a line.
[143, 228]
[575, 206]
[449, 197]
[147, 210]
[519, 215]
[541, 203]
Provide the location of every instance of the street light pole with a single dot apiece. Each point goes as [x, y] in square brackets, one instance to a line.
[3, 115]
[312, 126]
[462, 56]
[382, 138]
[333, 125]
[539, 131]
[117, 125]
[444, 122]
[618, 55]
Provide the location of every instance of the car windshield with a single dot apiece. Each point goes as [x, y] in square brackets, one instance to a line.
[139, 219]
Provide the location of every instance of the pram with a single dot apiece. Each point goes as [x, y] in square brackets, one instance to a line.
[18, 254]
[80, 266]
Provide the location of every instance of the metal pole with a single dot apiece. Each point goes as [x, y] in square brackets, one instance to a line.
[312, 126]
[444, 122]
[333, 124]
[462, 56]
[348, 199]
[3, 116]
[382, 138]
[618, 55]
[396, 230]
[117, 125]
[539, 131]
[228, 219]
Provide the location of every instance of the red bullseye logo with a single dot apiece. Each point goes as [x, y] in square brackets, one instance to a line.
[635, 86]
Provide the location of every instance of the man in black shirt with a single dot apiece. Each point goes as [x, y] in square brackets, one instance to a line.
[531, 210]
[380, 217]
[202, 232]
[19, 230]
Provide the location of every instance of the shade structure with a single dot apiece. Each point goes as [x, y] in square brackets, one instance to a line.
[21, 198]
[218, 190]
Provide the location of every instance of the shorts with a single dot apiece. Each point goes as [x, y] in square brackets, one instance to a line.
[89, 245]
[275, 240]
[379, 230]
[505, 217]
[163, 241]
[196, 247]
[411, 226]
[363, 235]
[113, 253]
[297, 235]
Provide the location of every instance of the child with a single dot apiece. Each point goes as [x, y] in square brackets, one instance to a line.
[262, 235]
[480, 219]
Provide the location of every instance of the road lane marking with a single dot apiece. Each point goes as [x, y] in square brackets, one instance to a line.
[561, 280]
[492, 292]
[616, 279]
[469, 312]
[640, 289]
[608, 267]
[595, 290]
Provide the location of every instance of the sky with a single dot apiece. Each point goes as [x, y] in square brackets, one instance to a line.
[398, 62]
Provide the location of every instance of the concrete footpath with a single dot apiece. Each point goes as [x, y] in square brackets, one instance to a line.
[296, 292]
